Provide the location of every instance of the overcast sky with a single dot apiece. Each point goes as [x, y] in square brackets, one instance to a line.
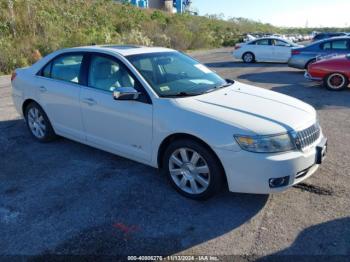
[290, 13]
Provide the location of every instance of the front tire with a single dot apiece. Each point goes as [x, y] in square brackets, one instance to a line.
[336, 82]
[193, 170]
[38, 123]
[248, 58]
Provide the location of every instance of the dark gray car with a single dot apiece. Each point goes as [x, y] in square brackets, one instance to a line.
[302, 57]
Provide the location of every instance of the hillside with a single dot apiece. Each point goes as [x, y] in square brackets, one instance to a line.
[30, 28]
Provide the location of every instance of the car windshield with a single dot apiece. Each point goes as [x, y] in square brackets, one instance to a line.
[175, 74]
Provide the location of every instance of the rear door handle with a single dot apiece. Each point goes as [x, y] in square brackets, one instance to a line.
[42, 89]
[89, 101]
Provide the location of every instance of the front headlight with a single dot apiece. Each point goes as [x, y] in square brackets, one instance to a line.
[266, 144]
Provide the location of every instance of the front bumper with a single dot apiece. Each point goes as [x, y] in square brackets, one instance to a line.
[248, 172]
[311, 78]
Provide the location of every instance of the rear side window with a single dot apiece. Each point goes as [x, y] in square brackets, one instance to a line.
[326, 46]
[65, 68]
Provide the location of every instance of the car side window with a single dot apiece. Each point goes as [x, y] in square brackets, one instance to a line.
[280, 43]
[108, 74]
[66, 68]
[327, 46]
[263, 42]
[46, 72]
[340, 45]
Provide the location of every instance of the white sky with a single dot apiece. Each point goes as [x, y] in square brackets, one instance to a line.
[290, 13]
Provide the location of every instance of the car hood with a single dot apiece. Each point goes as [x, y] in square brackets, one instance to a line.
[252, 110]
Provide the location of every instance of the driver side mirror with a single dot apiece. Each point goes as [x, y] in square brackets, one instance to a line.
[126, 93]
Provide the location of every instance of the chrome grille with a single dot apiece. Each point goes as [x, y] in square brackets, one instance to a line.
[308, 136]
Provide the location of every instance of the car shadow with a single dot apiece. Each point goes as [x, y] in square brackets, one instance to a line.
[274, 77]
[294, 84]
[67, 198]
[329, 241]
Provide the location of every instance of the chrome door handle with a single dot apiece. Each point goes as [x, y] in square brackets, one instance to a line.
[42, 89]
[89, 101]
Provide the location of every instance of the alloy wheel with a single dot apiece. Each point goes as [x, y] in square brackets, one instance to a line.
[189, 171]
[36, 123]
[248, 58]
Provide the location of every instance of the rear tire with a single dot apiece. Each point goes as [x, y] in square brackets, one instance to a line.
[336, 82]
[248, 57]
[38, 123]
[193, 170]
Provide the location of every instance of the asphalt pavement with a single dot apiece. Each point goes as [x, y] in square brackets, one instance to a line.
[68, 198]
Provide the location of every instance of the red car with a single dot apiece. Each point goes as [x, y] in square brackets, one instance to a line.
[334, 72]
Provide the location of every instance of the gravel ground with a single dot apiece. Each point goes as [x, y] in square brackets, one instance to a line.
[68, 198]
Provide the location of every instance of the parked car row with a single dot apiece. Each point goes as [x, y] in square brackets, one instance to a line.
[162, 108]
[317, 58]
[292, 37]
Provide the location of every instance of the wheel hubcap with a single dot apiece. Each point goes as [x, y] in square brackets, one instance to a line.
[336, 81]
[248, 57]
[189, 171]
[36, 123]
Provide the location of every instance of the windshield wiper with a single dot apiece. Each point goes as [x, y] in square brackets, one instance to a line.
[219, 87]
[182, 94]
[185, 94]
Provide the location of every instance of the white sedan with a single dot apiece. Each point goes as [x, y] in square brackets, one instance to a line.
[162, 108]
[269, 49]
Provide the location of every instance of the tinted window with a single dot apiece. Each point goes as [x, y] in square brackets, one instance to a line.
[67, 68]
[340, 44]
[108, 74]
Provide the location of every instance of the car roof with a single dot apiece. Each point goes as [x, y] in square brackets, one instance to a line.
[269, 37]
[332, 38]
[124, 50]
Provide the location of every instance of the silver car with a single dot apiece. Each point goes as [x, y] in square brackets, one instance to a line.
[302, 57]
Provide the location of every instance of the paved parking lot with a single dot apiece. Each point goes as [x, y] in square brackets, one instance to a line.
[67, 198]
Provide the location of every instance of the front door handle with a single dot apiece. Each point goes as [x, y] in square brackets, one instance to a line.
[89, 101]
[42, 89]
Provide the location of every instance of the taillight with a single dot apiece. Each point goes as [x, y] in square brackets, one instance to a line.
[295, 52]
[13, 76]
[237, 47]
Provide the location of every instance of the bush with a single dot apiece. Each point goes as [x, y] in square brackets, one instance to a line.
[29, 26]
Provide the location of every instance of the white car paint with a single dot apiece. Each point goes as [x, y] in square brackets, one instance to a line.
[266, 53]
[136, 130]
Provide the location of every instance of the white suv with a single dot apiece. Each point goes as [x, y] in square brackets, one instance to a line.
[162, 108]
